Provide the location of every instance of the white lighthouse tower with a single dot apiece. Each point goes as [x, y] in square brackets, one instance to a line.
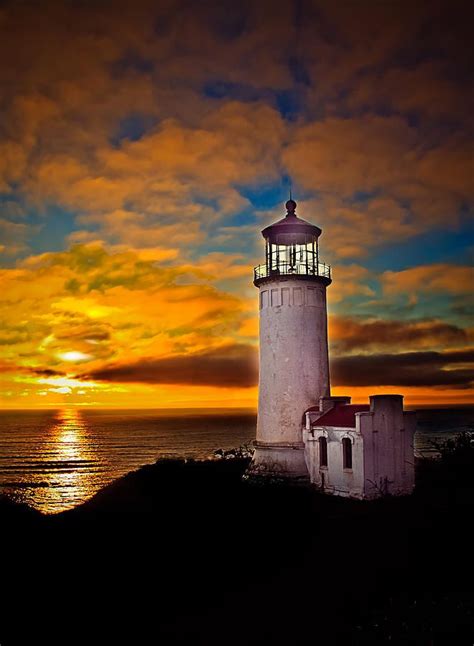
[294, 367]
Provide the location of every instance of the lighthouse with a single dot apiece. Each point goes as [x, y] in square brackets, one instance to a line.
[294, 366]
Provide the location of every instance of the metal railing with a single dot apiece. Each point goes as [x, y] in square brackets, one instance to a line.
[298, 269]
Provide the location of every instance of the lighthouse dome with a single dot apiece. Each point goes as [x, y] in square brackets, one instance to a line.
[291, 229]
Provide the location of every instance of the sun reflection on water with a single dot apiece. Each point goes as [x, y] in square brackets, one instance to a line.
[70, 463]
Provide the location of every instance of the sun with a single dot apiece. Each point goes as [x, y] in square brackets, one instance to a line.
[74, 355]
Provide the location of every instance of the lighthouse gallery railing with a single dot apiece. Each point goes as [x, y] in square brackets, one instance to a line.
[287, 269]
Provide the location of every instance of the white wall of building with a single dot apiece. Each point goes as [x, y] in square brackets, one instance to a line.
[388, 434]
[335, 478]
[382, 451]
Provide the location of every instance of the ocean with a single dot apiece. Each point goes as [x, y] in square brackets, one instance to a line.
[54, 460]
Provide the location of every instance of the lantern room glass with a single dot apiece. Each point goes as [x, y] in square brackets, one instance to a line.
[292, 253]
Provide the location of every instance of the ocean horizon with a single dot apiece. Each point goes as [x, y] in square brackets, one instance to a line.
[56, 459]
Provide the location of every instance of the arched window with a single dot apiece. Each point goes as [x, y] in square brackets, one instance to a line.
[347, 453]
[323, 452]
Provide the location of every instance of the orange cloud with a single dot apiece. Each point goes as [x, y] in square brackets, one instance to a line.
[439, 278]
[355, 231]
[155, 189]
[349, 155]
[69, 91]
[410, 188]
[92, 305]
[349, 280]
[224, 100]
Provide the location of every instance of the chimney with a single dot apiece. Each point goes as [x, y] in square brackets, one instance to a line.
[326, 403]
[386, 403]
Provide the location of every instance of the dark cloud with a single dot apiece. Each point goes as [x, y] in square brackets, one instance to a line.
[46, 372]
[229, 366]
[407, 369]
[7, 366]
[236, 366]
[352, 334]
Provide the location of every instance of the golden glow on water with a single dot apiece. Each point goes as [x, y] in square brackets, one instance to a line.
[69, 432]
[70, 457]
[56, 460]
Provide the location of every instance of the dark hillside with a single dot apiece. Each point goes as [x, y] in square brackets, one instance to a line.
[185, 552]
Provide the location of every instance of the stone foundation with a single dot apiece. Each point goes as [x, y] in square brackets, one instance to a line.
[283, 461]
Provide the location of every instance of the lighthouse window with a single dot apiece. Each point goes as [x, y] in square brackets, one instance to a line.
[323, 452]
[347, 453]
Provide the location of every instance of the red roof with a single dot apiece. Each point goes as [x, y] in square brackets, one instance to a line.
[343, 415]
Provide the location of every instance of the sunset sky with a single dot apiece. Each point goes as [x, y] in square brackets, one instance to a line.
[143, 147]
